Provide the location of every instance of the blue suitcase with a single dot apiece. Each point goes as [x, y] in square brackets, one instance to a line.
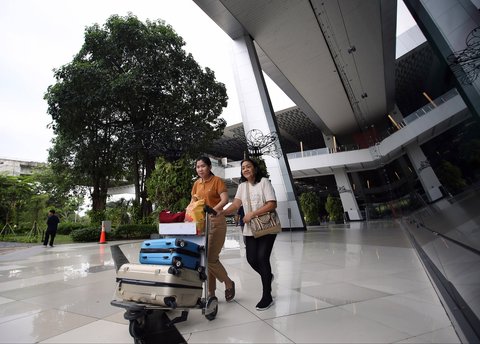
[171, 251]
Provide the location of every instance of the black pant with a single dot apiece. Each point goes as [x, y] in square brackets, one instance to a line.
[258, 256]
[49, 233]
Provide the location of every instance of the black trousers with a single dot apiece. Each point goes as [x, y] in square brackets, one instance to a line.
[49, 234]
[258, 256]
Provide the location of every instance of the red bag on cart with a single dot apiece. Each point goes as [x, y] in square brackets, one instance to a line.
[166, 216]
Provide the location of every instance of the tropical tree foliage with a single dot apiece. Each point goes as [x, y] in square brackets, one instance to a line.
[59, 189]
[131, 95]
[170, 184]
[119, 212]
[16, 195]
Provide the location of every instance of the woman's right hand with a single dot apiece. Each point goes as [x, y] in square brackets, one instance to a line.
[248, 216]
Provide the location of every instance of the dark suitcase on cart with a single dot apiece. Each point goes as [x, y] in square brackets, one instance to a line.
[171, 251]
[159, 285]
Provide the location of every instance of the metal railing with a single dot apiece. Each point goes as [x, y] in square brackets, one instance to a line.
[382, 136]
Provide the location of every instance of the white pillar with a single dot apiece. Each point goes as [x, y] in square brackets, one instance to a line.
[430, 183]
[257, 113]
[347, 197]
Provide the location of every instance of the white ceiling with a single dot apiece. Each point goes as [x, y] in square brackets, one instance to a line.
[304, 48]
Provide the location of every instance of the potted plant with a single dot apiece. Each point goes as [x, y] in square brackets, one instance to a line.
[310, 207]
[334, 208]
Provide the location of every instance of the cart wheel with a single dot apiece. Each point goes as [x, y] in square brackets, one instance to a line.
[177, 263]
[181, 243]
[211, 308]
[173, 271]
[170, 302]
[137, 330]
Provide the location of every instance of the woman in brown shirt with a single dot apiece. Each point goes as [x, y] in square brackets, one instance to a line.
[214, 191]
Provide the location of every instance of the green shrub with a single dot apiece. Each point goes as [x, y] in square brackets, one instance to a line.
[334, 208]
[310, 206]
[67, 227]
[141, 231]
[91, 234]
[26, 227]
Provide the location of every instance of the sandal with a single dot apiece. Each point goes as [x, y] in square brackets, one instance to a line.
[230, 293]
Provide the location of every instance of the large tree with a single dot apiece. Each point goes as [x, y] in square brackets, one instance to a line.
[130, 95]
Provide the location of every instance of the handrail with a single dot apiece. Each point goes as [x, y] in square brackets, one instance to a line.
[471, 249]
[406, 121]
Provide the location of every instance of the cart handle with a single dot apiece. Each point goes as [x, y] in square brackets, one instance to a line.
[209, 210]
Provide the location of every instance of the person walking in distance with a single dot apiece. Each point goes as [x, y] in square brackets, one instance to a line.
[52, 225]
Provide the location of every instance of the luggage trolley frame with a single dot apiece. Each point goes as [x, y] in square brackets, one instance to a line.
[138, 313]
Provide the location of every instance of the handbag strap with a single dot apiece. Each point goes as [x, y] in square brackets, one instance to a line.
[248, 197]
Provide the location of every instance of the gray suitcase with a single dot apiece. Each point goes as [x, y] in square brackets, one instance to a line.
[159, 285]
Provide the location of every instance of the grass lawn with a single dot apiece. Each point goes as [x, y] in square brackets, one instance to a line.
[59, 239]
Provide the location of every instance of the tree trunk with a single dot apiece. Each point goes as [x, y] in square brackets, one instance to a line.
[99, 195]
[146, 204]
[136, 179]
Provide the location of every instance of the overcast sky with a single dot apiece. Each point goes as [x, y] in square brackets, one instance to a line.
[38, 36]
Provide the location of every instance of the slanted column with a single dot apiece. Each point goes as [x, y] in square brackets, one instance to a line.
[257, 113]
[347, 197]
[430, 183]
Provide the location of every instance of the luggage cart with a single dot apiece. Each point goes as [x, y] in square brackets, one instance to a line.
[146, 317]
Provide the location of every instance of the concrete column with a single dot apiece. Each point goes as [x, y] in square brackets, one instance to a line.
[257, 113]
[430, 183]
[347, 197]
[359, 188]
[328, 139]
[408, 173]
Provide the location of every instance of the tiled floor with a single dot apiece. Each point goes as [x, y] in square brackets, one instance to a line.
[355, 283]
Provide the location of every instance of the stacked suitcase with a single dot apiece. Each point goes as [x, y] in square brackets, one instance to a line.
[171, 251]
[170, 274]
[158, 285]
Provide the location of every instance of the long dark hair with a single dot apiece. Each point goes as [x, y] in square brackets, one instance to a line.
[257, 171]
[207, 161]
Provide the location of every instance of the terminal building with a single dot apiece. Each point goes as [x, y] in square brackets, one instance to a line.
[364, 114]
[385, 123]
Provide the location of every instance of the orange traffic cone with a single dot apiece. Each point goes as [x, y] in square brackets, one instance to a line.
[103, 234]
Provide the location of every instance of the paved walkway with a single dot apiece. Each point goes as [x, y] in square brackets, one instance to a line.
[356, 283]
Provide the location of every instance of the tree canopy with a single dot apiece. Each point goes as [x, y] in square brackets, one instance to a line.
[170, 184]
[130, 95]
